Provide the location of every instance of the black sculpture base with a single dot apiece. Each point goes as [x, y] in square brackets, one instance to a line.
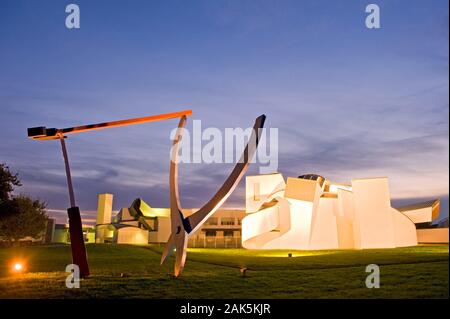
[79, 256]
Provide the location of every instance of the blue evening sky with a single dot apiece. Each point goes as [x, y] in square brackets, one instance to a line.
[348, 101]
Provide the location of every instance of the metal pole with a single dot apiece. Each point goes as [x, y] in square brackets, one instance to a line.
[79, 256]
[69, 177]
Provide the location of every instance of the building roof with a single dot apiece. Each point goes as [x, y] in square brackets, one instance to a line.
[429, 203]
[315, 177]
[433, 204]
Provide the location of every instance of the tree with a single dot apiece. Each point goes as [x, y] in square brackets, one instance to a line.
[20, 216]
[7, 182]
[27, 217]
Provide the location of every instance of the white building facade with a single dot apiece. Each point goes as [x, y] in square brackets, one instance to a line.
[312, 213]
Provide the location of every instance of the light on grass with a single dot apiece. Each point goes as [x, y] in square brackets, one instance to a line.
[18, 267]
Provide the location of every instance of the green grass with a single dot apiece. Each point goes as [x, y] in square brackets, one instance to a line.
[415, 272]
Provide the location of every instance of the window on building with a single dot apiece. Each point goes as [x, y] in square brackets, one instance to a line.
[212, 221]
[210, 233]
[227, 221]
[228, 233]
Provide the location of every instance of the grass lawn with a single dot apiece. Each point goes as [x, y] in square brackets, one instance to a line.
[415, 272]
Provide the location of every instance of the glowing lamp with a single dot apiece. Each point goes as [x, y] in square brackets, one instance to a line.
[18, 267]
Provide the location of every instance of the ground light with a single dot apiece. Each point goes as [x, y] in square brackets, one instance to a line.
[18, 267]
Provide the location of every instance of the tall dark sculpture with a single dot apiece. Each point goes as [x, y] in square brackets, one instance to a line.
[183, 227]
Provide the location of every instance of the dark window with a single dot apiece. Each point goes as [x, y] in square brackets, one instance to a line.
[228, 233]
[210, 233]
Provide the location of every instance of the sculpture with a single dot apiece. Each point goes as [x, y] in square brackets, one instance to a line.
[79, 256]
[182, 227]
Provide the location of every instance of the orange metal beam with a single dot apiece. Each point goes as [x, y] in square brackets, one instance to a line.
[43, 133]
[137, 120]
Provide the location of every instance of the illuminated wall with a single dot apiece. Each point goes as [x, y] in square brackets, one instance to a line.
[312, 213]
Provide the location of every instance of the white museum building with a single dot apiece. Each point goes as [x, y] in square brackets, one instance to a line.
[305, 213]
[310, 212]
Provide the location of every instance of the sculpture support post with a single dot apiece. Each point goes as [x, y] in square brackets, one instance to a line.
[79, 256]
[68, 175]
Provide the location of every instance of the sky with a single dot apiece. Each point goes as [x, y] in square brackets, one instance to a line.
[348, 101]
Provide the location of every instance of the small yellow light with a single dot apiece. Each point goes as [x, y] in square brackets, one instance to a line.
[18, 267]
